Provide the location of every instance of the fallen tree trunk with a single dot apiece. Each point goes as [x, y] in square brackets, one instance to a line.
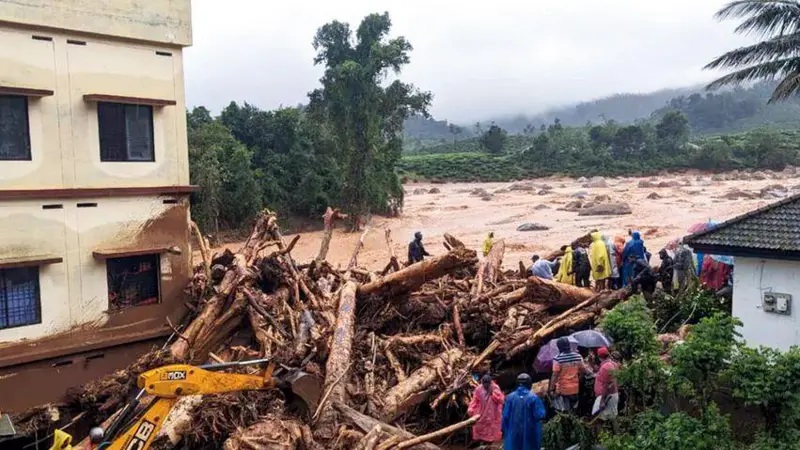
[329, 220]
[415, 275]
[438, 433]
[578, 316]
[367, 423]
[555, 294]
[583, 241]
[339, 360]
[415, 389]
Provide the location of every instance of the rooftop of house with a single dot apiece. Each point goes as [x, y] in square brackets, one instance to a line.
[772, 231]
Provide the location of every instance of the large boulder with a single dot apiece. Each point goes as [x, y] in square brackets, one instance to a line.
[544, 192]
[487, 197]
[602, 198]
[435, 191]
[597, 182]
[654, 196]
[420, 191]
[737, 194]
[541, 207]
[669, 184]
[522, 187]
[572, 206]
[646, 184]
[479, 192]
[580, 194]
[607, 209]
[759, 176]
[532, 226]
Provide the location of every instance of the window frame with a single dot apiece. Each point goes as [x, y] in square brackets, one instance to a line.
[26, 107]
[124, 127]
[4, 299]
[156, 273]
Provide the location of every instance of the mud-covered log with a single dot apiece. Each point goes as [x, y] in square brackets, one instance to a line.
[583, 241]
[416, 388]
[367, 423]
[494, 262]
[371, 439]
[329, 220]
[576, 317]
[415, 275]
[438, 433]
[555, 294]
[340, 359]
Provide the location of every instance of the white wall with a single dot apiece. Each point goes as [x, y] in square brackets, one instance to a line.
[752, 277]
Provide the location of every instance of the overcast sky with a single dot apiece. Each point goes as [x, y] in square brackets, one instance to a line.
[480, 60]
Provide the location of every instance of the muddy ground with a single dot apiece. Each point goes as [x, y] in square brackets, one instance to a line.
[463, 210]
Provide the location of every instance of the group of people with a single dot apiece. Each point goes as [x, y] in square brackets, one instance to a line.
[516, 419]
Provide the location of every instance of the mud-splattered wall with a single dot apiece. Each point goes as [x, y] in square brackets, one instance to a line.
[74, 292]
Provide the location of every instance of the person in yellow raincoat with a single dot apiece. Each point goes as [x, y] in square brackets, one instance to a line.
[488, 243]
[565, 273]
[598, 258]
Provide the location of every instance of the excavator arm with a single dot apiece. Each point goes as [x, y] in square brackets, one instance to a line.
[167, 384]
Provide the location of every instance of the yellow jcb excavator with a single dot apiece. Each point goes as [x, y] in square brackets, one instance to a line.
[132, 431]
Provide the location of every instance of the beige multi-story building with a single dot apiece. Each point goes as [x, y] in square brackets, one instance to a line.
[94, 188]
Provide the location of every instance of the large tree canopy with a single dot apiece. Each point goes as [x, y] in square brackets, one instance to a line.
[363, 110]
[778, 22]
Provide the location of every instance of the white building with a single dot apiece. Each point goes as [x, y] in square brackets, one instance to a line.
[766, 244]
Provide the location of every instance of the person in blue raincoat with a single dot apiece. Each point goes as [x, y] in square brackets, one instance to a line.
[633, 248]
[523, 413]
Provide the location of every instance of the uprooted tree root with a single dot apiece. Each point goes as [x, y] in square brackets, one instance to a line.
[395, 350]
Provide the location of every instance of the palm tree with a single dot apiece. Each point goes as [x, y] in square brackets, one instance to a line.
[776, 57]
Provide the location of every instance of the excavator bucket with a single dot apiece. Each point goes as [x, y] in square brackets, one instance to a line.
[306, 386]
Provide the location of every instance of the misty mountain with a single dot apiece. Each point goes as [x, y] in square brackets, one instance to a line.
[728, 110]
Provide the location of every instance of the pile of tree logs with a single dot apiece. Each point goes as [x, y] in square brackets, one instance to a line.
[397, 350]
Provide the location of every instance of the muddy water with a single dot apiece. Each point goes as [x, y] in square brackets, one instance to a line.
[457, 211]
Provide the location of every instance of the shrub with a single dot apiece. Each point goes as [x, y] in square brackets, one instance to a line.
[631, 328]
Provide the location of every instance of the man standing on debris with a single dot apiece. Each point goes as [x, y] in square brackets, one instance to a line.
[665, 271]
[488, 243]
[416, 251]
[542, 268]
[633, 248]
[606, 390]
[683, 264]
[487, 401]
[565, 382]
[601, 265]
[643, 277]
[581, 267]
[523, 413]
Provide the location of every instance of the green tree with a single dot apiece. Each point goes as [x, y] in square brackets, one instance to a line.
[455, 130]
[494, 139]
[776, 56]
[672, 132]
[365, 114]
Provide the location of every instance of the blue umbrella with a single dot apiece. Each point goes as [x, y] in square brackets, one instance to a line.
[591, 339]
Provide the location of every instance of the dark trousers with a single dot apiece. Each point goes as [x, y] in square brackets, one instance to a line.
[582, 280]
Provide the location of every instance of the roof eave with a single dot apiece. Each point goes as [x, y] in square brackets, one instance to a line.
[746, 252]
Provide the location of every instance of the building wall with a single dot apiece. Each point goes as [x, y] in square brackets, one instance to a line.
[163, 21]
[752, 278]
[64, 139]
[74, 293]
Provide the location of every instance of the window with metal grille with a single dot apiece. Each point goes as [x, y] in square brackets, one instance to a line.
[126, 132]
[15, 140]
[132, 281]
[20, 304]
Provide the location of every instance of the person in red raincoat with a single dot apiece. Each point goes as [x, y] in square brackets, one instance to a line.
[487, 400]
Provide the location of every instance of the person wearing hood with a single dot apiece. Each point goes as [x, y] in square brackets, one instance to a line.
[488, 243]
[416, 251]
[635, 249]
[666, 270]
[487, 402]
[581, 267]
[613, 280]
[523, 413]
[683, 264]
[565, 274]
[598, 258]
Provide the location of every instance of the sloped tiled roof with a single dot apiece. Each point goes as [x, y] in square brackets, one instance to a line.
[773, 229]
